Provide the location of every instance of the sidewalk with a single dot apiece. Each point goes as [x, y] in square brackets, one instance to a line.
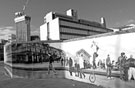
[7, 82]
[46, 83]
[44, 67]
[72, 82]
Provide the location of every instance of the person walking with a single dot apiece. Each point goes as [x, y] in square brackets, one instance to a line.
[108, 64]
[70, 66]
[51, 60]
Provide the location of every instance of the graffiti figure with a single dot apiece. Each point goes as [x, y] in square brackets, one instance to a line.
[85, 64]
[121, 64]
[109, 66]
[66, 61]
[94, 59]
[131, 71]
[95, 54]
[103, 64]
[80, 72]
[76, 69]
[100, 63]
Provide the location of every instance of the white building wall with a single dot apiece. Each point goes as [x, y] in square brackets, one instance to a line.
[54, 33]
[6, 52]
[81, 26]
[112, 45]
[48, 17]
[43, 32]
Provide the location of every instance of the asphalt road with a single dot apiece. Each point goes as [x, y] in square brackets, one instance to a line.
[7, 82]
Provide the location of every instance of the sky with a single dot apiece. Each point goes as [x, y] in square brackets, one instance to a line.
[116, 12]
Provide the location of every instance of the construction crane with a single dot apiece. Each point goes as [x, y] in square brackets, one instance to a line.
[18, 14]
[25, 5]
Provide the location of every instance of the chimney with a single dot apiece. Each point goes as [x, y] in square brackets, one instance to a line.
[49, 17]
[72, 13]
[103, 22]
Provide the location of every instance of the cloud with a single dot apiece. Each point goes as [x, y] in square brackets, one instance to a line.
[131, 21]
[125, 22]
[5, 31]
[8, 27]
[35, 30]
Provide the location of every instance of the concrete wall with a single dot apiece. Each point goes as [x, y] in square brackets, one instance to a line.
[76, 51]
[54, 29]
[111, 44]
[50, 30]
[48, 17]
[7, 53]
[43, 32]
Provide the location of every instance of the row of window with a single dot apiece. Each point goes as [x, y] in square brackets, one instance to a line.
[77, 31]
[81, 26]
[69, 36]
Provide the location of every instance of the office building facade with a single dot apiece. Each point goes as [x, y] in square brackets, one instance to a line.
[62, 27]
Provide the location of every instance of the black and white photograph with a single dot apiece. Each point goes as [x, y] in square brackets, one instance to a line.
[67, 44]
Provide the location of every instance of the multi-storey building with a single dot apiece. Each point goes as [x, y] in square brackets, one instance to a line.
[11, 37]
[61, 27]
[22, 26]
[2, 42]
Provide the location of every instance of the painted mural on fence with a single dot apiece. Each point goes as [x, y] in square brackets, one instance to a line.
[26, 59]
[103, 60]
[106, 60]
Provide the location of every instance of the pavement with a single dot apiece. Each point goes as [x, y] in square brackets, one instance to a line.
[7, 82]
[107, 83]
[45, 83]
[71, 82]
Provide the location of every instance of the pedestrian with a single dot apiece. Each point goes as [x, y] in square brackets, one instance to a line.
[131, 71]
[70, 66]
[51, 60]
[109, 66]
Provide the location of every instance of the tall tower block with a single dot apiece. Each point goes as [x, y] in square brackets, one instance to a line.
[22, 22]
